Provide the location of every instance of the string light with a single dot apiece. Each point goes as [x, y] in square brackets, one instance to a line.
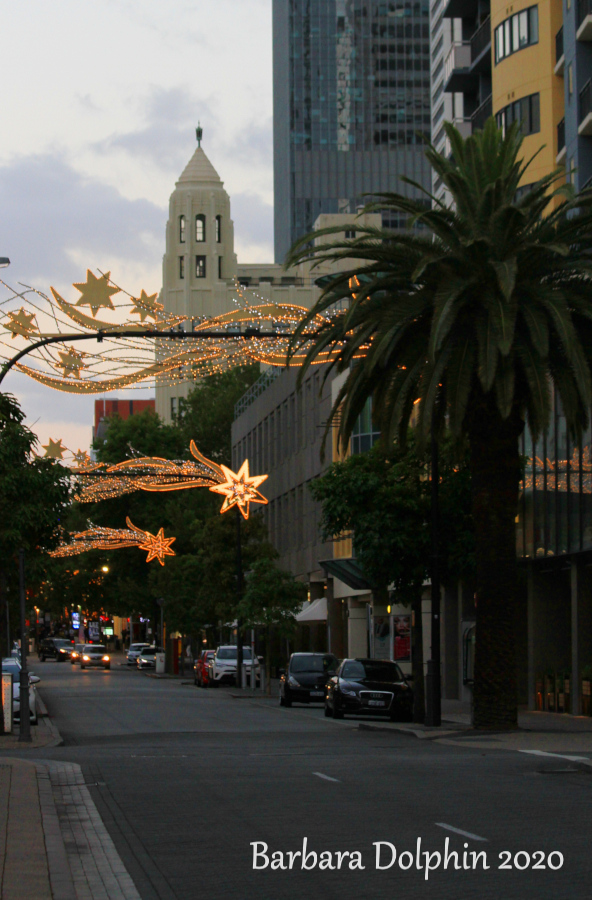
[98, 537]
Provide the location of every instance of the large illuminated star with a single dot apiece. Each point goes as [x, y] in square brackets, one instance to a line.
[145, 305]
[157, 546]
[240, 489]
[54, 450]
[21, 323]
[96, 292]
[71, 363]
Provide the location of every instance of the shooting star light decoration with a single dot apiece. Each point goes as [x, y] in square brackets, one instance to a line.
[97, 537]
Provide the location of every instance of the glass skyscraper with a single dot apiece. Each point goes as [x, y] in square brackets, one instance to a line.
[351, 100]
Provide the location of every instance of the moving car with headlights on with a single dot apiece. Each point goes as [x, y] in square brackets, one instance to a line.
[200, 668]
[13, 667]
[133, 653]
[369, 686]
[222, 668]
[76, 653]
[59, 649]
[147, 657]
[305, 678]
[94, 655]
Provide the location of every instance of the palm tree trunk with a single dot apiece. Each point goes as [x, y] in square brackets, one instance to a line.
[417, 660]
[495, 478]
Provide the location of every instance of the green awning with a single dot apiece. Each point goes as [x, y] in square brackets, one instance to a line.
[347, 570]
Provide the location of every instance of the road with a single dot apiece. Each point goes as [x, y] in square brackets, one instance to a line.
[186, 779]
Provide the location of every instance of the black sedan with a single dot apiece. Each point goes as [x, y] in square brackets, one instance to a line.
[305, 678]
[369, 687]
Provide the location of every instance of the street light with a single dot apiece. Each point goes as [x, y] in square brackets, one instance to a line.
[104, 568]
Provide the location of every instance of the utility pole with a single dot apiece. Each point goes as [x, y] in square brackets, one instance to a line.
[25, 728]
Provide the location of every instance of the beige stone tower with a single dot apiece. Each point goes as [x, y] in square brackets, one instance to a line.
[199, 263]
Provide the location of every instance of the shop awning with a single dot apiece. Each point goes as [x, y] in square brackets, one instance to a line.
[313, 612]
[348, 571]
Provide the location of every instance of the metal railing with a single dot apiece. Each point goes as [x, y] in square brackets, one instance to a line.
[559, 45]
[482, 114]
[481, 39]
[256, 389]
[585, 101]
[560, 135]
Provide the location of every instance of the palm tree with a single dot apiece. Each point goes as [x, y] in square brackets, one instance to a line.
[478, 317]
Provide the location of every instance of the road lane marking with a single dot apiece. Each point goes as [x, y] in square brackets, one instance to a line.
[326, 777]
[584, 759]
[467, 834]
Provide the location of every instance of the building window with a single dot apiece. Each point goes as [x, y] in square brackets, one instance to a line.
[200, 229]
[350, 235]
[218, 229]
[570, 81]
[517, 32]
[181, 229]
[174, 407]
[181, 267]
[526, 111]
[220, 268]
[200, 267]
[364, 434]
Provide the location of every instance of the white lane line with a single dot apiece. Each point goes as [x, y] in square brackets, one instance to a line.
[584, 759]
[467, 834]
[326, 777]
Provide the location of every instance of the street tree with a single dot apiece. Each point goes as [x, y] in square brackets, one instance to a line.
[479, 313]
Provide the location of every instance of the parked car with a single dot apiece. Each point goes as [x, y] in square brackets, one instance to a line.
[222, 667]
[200, 668]
[133, 653]
[12, 665]
[305, 678]
[94, 655]
[147, 657]
[369, 686]
[76, 653]
[59, 649]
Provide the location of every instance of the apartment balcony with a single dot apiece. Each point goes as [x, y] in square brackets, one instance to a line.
[461, 9]
[559, 53]
[561, 151]
[481, 47]
[464, 126]
[585, 109]
[457, 74]
[584, 20]
[482, 114]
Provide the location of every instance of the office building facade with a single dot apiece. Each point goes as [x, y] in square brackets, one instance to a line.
[351, 99]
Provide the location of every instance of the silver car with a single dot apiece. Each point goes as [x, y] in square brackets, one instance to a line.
[94, 655]
[13, 666]
[133, 653]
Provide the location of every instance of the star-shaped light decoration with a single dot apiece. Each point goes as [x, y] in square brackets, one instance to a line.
[82, 458]
[240, 489]
[157, 546]
[21, 323]
[145, 306]
[71, 363]
[54, 450]
[96, 292]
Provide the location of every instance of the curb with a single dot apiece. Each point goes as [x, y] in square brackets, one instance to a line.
[58, 740]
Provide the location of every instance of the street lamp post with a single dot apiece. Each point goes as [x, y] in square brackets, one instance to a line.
[239, 592]
[25, 727]
[434, 702]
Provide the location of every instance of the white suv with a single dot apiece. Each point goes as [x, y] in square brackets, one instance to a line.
[222, 668]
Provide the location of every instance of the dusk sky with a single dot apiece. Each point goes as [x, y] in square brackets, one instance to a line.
[98, 109]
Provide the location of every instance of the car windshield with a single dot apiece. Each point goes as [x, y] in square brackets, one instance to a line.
[230, 653]
[94, 648]
[138, 646]
[61, 642]
[149, 651]
[372, 670]
[313, 664]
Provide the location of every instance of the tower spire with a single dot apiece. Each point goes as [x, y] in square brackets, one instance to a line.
[199, 134]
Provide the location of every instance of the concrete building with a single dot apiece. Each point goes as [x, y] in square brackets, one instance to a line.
[351, 93]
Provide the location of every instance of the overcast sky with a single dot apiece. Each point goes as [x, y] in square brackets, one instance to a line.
[98, 108]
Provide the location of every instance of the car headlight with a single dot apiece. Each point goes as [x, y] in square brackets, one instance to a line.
[86, 658]
[62, 651]
[292, 681]
[348, 692]
[105, 659]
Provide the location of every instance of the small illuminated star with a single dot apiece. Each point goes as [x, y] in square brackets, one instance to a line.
[54, 450]
[82, 458]
[145, 305]
[21, 323]
[71, 363]
[96, 292]
[240, 489]
[157, 546]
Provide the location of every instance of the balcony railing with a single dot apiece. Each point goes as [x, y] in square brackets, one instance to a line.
[482, 114]
[481, 39]
[560, 136]
[585, 101]
[559, 45]
[459, 57]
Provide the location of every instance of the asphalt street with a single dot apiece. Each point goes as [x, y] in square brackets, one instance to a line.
[187, 779]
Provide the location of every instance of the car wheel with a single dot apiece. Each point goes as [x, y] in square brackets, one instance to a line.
[337, 713]
[327, 711]
[108, 666]
[35, 721]
[287, 700]
[82, 666]
[42, 658]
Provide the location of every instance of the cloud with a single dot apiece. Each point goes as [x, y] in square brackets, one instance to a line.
[50, 215]
[253, 224]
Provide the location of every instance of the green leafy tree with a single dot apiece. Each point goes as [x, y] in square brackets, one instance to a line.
[272, 598]
[479, 318]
